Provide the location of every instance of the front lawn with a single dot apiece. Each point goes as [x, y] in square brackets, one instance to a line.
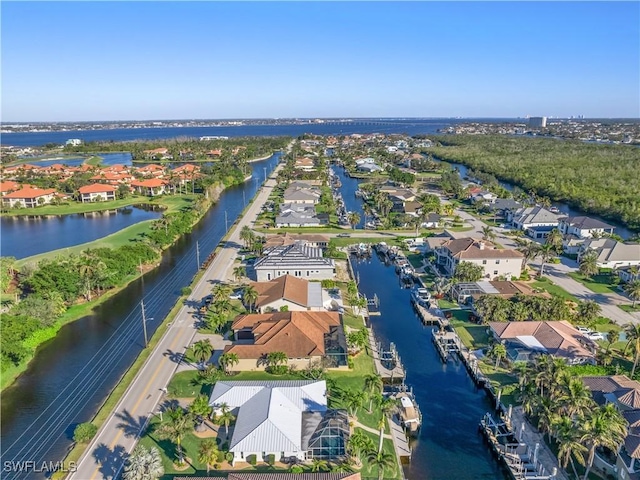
[445, 304]
[553, 289]
[630, 308]
[597, 283]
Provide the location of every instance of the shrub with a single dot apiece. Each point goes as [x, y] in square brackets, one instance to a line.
[221, 457]
[271, 459]
[185, 291]
[252, 460]
[84, 432]
[229, 457]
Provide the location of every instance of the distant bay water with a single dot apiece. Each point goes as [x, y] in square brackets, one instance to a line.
[373, 125]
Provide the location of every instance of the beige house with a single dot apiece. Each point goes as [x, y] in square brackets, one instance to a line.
[289, 292]
[611, 253]
[505, 263]
[97, 192]
[285, 239]
[151, 188]
[302, 336]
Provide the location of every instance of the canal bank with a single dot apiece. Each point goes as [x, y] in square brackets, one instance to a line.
[449, 445]
[72, 374]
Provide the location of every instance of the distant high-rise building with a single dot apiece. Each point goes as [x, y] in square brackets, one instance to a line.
[537, 122]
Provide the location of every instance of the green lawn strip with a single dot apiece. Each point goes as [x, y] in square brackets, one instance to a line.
[370, 471]
[78, 207]
[415, 259]
[345, 242]
[353, 321]
[501, 379]
[459, 229]
[474, 337]
[94, 161]
[597, 283]
[630, 308]
[553, 289]
[116, 394]
[445, 304]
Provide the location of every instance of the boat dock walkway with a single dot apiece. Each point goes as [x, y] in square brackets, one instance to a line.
[429, 317]
[389, 357]
[399, 437]
[449, 345]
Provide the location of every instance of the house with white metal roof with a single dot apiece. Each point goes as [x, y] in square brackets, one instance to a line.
[297, 260]
[280, 418]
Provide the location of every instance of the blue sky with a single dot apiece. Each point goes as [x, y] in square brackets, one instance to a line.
[73, 61]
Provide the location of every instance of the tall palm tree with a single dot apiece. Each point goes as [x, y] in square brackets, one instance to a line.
[488, 233]
[239, 272]
[372, 384]
[200, 408]
[633, 338]
[588, 311]
[529, 250]
[612, 337]
[208, 453]
[227, 361]
[555, 238]
[569, 444]
[225, 418]
[387, 407]
[202, 350]
[353, 400]
[498, 351]
[382, 460]
[143, 464]
[603, 427]
[353, 218]
[275, 359]
[176, 425]
[633, 290]
[574, 398]
[246, 235]
[221, 291]
[588, 264]
[359, 444]
[250, 297]
[545, 252]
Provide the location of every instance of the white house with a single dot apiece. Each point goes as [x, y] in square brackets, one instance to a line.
[97, 193]
[611, 253]
[74, 142]
[297, 260]
[583, 227]
[280, 418]
[537, 222]
[29, 197]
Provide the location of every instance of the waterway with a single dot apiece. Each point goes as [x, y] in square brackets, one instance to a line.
[24, 236]
[449, 445]
[73, 373]
[348, 189]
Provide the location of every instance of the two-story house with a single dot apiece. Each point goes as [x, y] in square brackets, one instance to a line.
[584, 227]
[503, 263]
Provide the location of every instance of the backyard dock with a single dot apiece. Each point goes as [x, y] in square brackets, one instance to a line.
[387, 362]
[427, 316]
[449, 345]
[400, 442]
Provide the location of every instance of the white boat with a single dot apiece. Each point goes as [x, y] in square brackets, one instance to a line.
[409, 413]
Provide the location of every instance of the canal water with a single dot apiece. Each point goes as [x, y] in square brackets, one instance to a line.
[449, 445]
[72, 374]
[24, 236]
[348, 189]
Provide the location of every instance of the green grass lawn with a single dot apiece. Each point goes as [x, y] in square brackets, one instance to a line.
[445, 304]
[597, 283]
[630, 308]
[78, 207]
[345, 242]
[473, 336]
[415, 259]
[553, 289]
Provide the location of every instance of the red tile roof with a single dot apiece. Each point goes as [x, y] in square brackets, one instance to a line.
[30, 192]
[9, 186]
[97, 188]
[151, 183]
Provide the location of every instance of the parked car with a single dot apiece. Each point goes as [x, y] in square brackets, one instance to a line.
[595, 336]
[583, 330]
[343, 235]
[236, 295]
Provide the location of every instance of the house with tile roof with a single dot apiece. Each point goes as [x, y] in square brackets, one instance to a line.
[301, 192]
[97, 192]
[584, 227]
[29, 197]
[305, 337]
[495, 262]
[625, 395]
[296, 294]
[151, 187]
[297, 260]
[560, 339]
[8, 186]
[611, 253]
[284, 239]
[286, 419]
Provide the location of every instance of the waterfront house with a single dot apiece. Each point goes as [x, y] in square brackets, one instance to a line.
[74, 142]
[500, 206]
[113, 178]
[157, 153]
[97, 192]
[368, 165]
[29, 197]
[305, 164]
[629, 274]
[151, 171]
[299, 192]
[312, 240]
[483, 196]
[287, 420]
[560, 339]
[300, 215]
[584, 227]
[292, 293]
[431, 221]
[306, 337]
[625, 395]
[611, 253]
[505, 263]
[297, 260]
[151, 188]
[536, 222]
[470, 291]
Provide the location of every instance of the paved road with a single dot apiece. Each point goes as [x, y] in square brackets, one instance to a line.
[105, 456]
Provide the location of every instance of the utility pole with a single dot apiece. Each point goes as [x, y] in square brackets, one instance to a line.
[244, 200]
[144, 324]
[197, 254]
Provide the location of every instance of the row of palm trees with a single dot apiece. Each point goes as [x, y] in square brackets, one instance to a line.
[564, 409]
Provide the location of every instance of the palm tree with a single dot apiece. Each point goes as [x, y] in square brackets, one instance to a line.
[358, 444]
[382, 460]
[143, 464]
[488, 233]
[589, 263]
[239, 272]
[612, 337]
[353, 218]
[574, 398]
[200, 408]
[227, 361]
[545, 252]
[529, 250]
[202, 350]
[209, 376]
[221, 291]
[208, 453]
[603, 427]
[387, 407]
[175, 427]
[588, 311]
[569, 444]
[633, 290]
[225, 418]
[250, 297]
[353, 400]
[319, 465]
[633, 337]
[372, 384]
[246, 235]
[498, 351]
[274, 359]
[555, 238]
